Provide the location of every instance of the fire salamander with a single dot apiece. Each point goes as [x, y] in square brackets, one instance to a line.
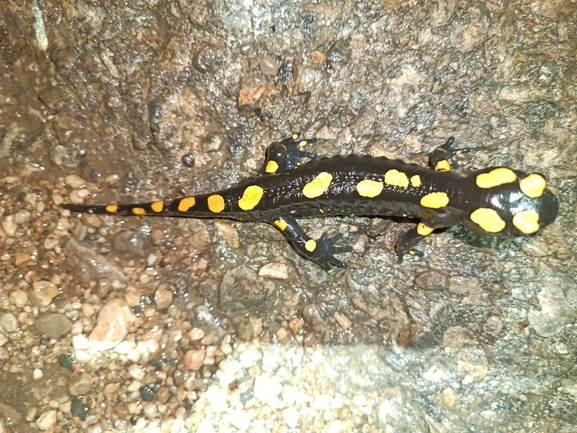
[496, 201]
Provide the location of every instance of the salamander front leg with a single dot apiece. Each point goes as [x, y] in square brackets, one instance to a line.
[320, 251]
[283, 156]
[441, 156]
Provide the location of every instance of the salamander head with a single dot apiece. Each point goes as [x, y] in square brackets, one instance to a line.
[513, 203]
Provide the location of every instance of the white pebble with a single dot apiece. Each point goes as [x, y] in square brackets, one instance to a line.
[134, 385]
[267, 389]
[249, 358]
[88, 309]
[46, 420]
[216, 398]
[278, 271]
[136, 372]
[163, 298]
[230, 366]
[22, 216]
[335, 426]
[9, 322]
[43, 292]
[8, 225]
[239, 419]
[74, 181]
[150, 410]
[111, 327]
[205, 426]
[291, 417]
[37, 374]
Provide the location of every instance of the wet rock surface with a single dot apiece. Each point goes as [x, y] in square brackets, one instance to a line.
[221, 326]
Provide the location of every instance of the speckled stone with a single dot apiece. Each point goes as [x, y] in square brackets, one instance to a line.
[46, 420]
[9, 322]
[82, 385]
[19, 298]
[111, 327]
[43, 293]
[53, 325]
[163, 298]
[193, 359]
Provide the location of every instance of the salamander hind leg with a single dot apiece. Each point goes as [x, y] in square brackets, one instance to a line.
[441, 156]
[282, 156]
[406, 242]
[321, 251]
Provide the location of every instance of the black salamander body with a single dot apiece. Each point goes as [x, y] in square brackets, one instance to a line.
[498, 201]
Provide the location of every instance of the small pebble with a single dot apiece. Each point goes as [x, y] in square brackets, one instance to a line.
[163, 394]
[111, 389]
[216, 398]
[136, 372]
[342, 320]
[22, 216]
[163, 298]
[21, 259]
[150, 410]
[195, 334]
[46, 420]
[50, 243]
[82, 385]
[146, 392]
[9, 322]
[291, 417]
[43, 292]
[9, 225]
[111, 327]
[66, 361]
[74, 181]
[269, 66]
[53, 325]
[193, 359]
[79, 409]
[239, 419]
[277, 271]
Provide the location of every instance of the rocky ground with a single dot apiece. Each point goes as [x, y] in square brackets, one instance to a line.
[159, 324]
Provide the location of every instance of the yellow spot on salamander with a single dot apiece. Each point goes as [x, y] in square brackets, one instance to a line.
[157, 206]
[527, 222]
[281, 224]
[302, 143]
[488, 219]
[215, 203]
[435, 200]
[271, 167]
[251, 197]
[318, 186]
[443, 165]
[295, 136]
[369, 188]
[396, 178]
[311, 245]
[186, 203]
[496, 177]
[416, 181]
[533, 185]
[424, 230]
[112, 208]
[138, 211]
